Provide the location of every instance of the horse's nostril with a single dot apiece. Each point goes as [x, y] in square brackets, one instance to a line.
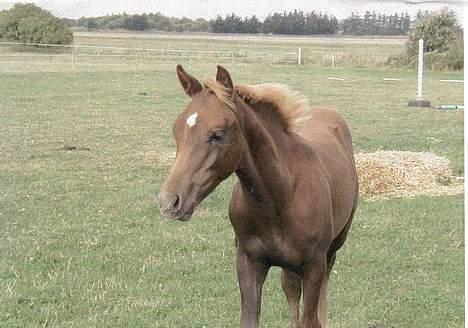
[175, 202]
[169, 202]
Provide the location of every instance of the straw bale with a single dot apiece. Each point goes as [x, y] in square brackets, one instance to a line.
[384, 174]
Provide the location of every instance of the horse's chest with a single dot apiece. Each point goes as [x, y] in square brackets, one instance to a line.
[273, 237]
[274, 249]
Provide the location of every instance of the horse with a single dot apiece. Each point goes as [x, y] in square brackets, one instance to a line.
[297, 187]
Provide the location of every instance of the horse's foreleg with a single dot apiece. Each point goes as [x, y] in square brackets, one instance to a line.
[291, 284]
[324, 291]
[314, 274]
[251, 275]
[322, 310]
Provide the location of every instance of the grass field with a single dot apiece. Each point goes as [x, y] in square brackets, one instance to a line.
[82, 243]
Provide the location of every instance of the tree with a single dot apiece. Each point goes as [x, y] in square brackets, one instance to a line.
[217, 24]
[443, 42]
[136, 23]
[438, 30]
[200, 25]
[30, 23]
[91, 23]
[352, 25]
[373, 24]
[252, 25]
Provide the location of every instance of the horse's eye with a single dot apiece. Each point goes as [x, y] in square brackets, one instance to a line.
[216, 137]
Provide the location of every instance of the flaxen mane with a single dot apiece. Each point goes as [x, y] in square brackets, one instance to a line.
[275, 102]
[221, 92]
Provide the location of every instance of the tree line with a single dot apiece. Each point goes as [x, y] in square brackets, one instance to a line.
[377, 24]
[141, 22]
[293, 22]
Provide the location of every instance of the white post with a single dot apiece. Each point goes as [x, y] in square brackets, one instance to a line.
[333, 59]
[420, 101]
[420, 69]
[299, 56]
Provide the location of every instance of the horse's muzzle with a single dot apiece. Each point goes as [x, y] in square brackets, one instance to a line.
[171, 205]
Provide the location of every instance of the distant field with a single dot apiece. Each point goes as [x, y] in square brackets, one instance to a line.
[82, 243]
[249, 37]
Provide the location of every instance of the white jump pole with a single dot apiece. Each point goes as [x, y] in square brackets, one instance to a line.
[420, 69]
[299, 56]
[420, 101]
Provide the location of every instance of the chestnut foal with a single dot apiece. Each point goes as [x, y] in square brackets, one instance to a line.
[297, 189]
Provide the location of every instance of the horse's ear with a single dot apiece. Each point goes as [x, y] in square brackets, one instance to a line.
[189, 83]
[223, 77]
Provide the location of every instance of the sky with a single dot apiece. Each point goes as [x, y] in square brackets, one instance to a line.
[210, 8]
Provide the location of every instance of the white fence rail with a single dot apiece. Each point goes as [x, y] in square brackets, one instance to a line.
[80, 54]
[77, 54]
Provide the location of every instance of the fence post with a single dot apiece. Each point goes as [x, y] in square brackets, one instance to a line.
[333, 59]
[299, 56]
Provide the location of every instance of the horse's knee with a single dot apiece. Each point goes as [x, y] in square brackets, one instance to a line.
[290, 282]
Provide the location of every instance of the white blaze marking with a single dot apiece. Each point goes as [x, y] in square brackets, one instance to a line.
[192, 120]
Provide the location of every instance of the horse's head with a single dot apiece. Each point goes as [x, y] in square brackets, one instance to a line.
[208, 141]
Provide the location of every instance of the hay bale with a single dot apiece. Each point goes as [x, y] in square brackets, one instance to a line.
[404, 173]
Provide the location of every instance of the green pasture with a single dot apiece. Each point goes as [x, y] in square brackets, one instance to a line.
[82, 243]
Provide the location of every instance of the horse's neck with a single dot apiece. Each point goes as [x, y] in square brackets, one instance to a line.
[263, 172]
